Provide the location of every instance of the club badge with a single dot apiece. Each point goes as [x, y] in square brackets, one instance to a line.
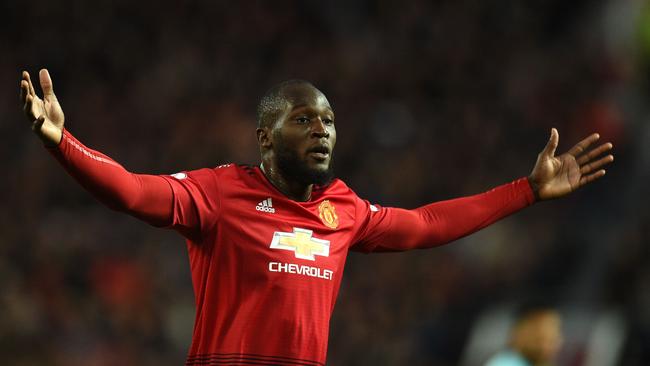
[327, 214]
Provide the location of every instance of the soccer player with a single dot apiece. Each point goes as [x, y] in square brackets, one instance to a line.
[267, 244]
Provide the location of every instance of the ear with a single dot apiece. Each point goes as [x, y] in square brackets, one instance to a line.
[264, 137]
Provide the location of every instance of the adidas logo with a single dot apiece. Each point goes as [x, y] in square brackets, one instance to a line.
[265, 206]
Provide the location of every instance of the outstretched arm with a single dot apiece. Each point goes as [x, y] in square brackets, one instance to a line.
[398, 229]
[395, 229]
[147, 197]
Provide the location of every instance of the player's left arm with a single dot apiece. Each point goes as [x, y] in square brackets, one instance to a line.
[395, 229]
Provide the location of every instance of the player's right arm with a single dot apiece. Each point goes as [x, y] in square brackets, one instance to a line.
[147, 197]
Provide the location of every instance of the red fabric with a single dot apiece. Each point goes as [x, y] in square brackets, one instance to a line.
[260, 297]
[147, 197]
[397, 229]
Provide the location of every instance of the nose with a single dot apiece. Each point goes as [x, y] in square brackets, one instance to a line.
[318, 129]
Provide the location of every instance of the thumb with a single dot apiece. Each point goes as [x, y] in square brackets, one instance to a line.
[549, 150]
[46, 83]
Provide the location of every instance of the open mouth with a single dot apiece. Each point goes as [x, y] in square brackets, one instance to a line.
[320, 152]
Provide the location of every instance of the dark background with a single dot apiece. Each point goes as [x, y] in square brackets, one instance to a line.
[434, 100]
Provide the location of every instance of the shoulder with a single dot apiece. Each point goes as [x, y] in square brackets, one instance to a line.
[224, 171]
[339, 191]
[507, 358]
[341, 196]
[212, 180]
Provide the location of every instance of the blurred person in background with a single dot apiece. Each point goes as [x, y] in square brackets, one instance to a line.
[535, 338]
[275, 306]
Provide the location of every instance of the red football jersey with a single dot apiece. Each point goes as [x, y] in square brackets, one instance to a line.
[266, 269]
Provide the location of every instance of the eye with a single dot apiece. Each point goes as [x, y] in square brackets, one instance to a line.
[302, 120]
[328, 121]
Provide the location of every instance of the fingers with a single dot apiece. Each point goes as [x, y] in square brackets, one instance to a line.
[28, 79]
[46, 83]
[549, 149]
[24, 86]
[24, 90]
[594, 153]
[592, 177]
[585, 160]
[29, 100]
[595, 165]
[582, 146]
[28, 107]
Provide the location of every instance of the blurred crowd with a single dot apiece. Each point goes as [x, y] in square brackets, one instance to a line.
[434, 100]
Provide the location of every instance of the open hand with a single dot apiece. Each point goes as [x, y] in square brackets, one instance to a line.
[45, 115]
[556, 176]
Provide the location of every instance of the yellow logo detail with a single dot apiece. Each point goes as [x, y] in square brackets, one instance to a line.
[327, 214]
[301, 242]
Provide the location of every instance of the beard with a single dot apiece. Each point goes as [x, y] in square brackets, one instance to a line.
[295, 169]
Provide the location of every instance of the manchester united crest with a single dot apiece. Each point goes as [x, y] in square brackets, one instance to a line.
[327, 214]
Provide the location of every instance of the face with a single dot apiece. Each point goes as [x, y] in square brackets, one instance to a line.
[540, 336]
[303, 138]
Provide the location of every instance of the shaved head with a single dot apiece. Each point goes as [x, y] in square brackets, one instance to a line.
[279, 97]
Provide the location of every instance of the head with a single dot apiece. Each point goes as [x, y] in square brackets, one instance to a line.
[537, 334]
[296, 132]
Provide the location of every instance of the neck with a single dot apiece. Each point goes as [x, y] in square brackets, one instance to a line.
[295, 191]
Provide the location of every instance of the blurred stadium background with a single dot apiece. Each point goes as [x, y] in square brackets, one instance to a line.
[434, 99]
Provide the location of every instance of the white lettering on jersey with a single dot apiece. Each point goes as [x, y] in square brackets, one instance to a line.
[301, 270]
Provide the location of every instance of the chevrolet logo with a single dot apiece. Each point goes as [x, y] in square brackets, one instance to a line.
[301, 242]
